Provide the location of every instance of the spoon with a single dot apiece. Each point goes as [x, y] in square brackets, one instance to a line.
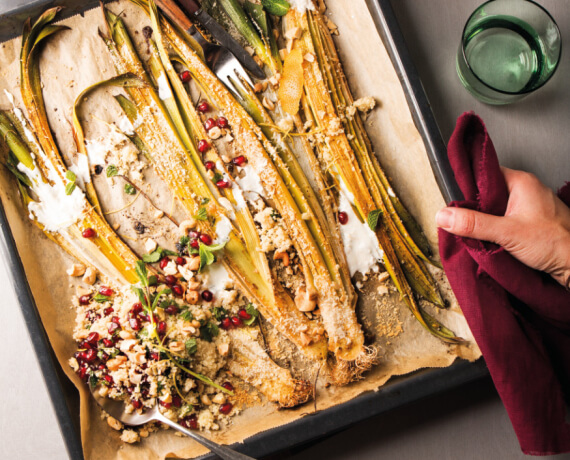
[116, 409]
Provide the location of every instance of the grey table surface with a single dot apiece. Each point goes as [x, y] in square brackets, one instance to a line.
[469, 422]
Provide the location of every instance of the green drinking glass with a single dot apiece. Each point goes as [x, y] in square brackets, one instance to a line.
[509, 49]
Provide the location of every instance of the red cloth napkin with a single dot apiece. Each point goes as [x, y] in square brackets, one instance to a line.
[519, 317]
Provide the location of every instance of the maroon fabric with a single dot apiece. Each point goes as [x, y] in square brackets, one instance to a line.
[519, 317]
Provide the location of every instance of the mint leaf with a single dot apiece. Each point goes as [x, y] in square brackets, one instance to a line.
[253, 312]
[71, 176]
[219, 313]
[112, 171]
[69, 188]
[202, 214]
[276, 7]
[101, 298]
[186, 315]
[130, 190]
[373, 217]
[191, 346]
[152, 257]
[142, 273]
[208, 331]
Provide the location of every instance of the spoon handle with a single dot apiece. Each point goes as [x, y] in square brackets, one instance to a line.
[222, 451]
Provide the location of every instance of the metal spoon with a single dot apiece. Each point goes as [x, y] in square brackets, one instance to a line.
[116, 409]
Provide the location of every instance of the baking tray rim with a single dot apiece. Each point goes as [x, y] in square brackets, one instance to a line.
[397, 392]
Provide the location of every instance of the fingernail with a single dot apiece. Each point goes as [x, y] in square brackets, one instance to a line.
[444, 218]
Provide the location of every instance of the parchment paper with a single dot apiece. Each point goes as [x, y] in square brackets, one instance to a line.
[77, 58]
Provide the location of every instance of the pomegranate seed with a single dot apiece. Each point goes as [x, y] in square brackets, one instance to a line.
[236, 321]
[203, 107]
[88, 233]
[193, 234]
[108, 343]
[343, 217]
[177, 290]
[239, 160]
[84, 299]
[108, 311]
[82, 372]
[93, 338]
[136, 403]
[109, 379]
[85, 345]
[170, 280]
[226, 408]
[195, 244]
[206, 239]
[207, 296]
[243, 314]
[222, 122]
[222, 184]
[210, 165]
[161, 328]
[101, 367]
[135, 324]
[164, 262]
[180, 261]
[164, 404]
[155, 356]
[136, 308]
[116, 320]
[176, 401]
[113, 327]
[209, 124]
[90, 355]
[190, 422]
[172, 309]
[226, 323]
[228, 386]
[203, 145]
[184, 76]
[104, 290]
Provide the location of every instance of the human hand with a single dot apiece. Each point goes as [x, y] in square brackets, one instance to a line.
[535, 228]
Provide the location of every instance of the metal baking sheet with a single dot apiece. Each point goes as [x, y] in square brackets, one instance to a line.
[397, 392]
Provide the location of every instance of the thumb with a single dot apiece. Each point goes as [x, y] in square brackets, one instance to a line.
[472, 224]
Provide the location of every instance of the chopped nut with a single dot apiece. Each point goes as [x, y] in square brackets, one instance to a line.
[225, 158]
[223, 349]
[176, 346]
[206, 400]
[126, 335]
[283, 257]
[264, 84]
[331, 25]
[192, 297]
[195, 323]
[283, 53]
[293, 33]
[187, 225]
[115, 363]
[103, 391]
[258, 87]
[383, 276]
[303, 301]
[220, 398]
[309, 57]
[76, 270]
[116, 226]
[268, 103]
[249, 50]
[158, 214]
[80, 290]
[274, 80]
[140, 358]
[305, 216]
[194, 285]
[215, 133]
[194, 263]
[127, 345]
[305, 339]
[90, 276]
[114, 423]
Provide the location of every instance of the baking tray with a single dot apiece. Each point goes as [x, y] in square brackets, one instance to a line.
[397, 392]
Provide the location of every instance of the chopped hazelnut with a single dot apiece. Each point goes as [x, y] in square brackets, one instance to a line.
[76, 270]
[90, 276]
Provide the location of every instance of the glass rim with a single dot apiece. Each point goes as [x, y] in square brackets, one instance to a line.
[510, 93]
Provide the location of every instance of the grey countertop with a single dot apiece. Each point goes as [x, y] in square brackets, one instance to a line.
[469, 422]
